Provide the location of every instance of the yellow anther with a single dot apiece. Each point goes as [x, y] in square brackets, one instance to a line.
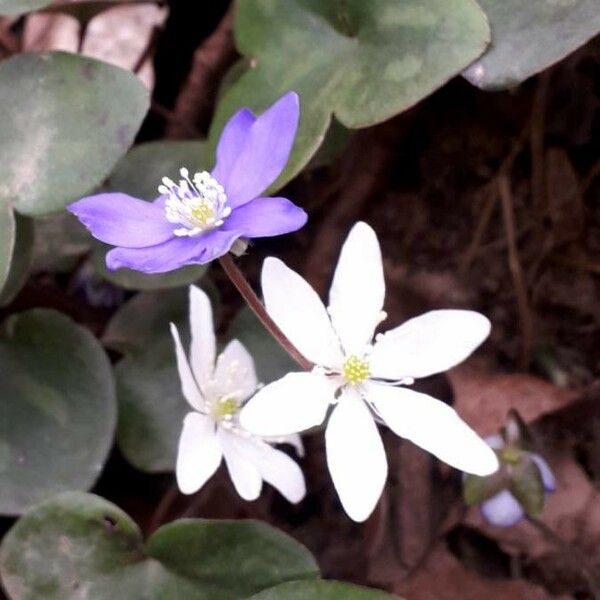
[356, 370]
[225, 408]
[203, 213]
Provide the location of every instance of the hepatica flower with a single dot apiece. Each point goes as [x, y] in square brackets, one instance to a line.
[518, 488]
[356, 376]
[200, 217]
[216, 390]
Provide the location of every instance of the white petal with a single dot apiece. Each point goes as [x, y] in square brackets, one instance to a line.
[358, 290]
[428, 344]
[243, 472]
[298, 311]
[189, 387]
[235, 373]
[293, 403]
[202, 354]
[495, 441]
[355, 456]
[434, 426]
[199, 453]
[546, 473]
[277, 468]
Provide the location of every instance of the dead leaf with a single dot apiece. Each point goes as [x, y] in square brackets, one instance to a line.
[443, 577]
[483, 398]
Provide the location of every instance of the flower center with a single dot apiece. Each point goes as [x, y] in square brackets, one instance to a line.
[356, 370]
[510, 456]
[198, 204]
[225, 408]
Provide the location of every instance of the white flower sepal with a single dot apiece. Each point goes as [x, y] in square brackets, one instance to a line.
[362, 379]
[216, 390]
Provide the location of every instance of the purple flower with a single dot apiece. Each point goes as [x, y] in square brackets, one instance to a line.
[199, 218]
[503, 509]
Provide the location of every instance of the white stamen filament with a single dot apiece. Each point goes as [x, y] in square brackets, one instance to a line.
[199, 205]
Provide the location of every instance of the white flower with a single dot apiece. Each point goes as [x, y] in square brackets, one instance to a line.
[357, 376]
[216, 392]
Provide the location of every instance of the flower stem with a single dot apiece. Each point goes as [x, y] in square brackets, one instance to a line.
[248, 294]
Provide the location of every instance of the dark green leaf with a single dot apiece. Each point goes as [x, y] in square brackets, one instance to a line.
[527, 487]
[65, 122]
[362, 61]
[146, 316]
[58, 409]
[21, 260]
[7, 241]
[81, 546]
[139, 173]
[60, 241]
[135, 280]
[271, 361]
[321, 590]
[530, 36]
[151, 406]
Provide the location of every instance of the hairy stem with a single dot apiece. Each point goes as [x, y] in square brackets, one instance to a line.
[248, 294]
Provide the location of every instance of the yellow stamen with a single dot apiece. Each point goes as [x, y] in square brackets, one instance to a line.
[356, 370]
[225, 408]
[203, 213]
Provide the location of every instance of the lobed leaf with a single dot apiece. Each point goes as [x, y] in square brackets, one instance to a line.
[58, 409]
[65, 122]
[364, 62]
[528, 37]
[78, 545]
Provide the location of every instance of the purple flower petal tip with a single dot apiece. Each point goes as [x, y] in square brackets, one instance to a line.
[502, 510]
[198, 218]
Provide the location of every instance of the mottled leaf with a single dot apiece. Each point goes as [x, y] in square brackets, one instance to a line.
[362, 61]
[58, 408]
[528, 37]
[20, 260]
[321, 590]
[65, 122]
[81, 546]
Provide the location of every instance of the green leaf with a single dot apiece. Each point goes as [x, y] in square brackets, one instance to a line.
[530, 36]
[58, 408]
[321, 590]
[21, 260]
[477, 489]
[7, 241]
[145, 317]
[135, 280]
[65, 122]
[81, 546]
[140, 171]
[362, 61]
[271, 361]
[527, 487]
[60, 241]
[18, 7]
[151, 406]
